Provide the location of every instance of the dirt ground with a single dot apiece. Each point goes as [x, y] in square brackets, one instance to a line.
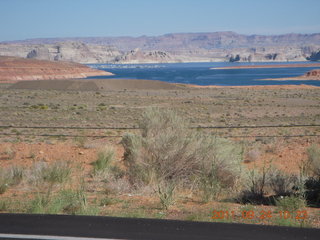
[223, 106]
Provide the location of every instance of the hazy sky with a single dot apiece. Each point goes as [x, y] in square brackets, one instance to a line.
[21, 19]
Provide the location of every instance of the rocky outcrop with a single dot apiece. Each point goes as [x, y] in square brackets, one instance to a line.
[313, 74]
[138, 56]
[14, 69]
[64, 51]
[182, 47]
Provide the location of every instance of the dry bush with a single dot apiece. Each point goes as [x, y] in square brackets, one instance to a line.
[42, 172]
[252, 155]
[283, 184]
[10, 153]
[16, 174]
[167, 152]
[9, 177]
[313, 163]
[4, 181]
[256, 184]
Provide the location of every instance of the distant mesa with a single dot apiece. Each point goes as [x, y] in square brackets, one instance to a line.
[175, 47]
[13, 69]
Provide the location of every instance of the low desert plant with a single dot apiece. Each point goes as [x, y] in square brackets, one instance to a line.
[81, 141]
[168, 152]
[39, 205]
[256, 182]
[4, 205]
[16, 175]
[10, 153]
[165, 193]
[314, 160]
[282, 184]
[104, 160]
[57, 172]
[4, 181]
[291, 203]
[66, 201]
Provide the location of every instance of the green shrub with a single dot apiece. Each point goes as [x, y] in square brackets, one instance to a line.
[4, 205]
[39, 205]
[106, 201]
[104, 160]
[290, 203]
[58, 172]
[67, 202]
[72, 201]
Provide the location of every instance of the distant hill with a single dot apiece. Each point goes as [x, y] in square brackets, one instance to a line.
[13, 69]
[175, 47]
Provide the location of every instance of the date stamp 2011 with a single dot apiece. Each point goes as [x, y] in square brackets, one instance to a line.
[298, 215]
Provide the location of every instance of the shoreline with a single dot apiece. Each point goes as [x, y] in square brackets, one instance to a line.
[287, 86]
[291, 79]
[298, 65]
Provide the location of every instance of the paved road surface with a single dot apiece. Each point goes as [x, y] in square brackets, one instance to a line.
[79, 227]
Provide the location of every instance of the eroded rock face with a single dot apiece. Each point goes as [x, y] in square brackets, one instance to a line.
[14, 69]
[182, 47]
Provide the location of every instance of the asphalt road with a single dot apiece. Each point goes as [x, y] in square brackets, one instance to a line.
[85, 227]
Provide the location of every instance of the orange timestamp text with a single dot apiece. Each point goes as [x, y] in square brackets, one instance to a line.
[250, 214]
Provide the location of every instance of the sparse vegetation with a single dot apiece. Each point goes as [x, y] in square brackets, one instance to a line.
[4, 181]
[81, 141]
[168, 153]
[104, 160]
[10, 153]
[16, 175]
[66, 201]
[314, 160]
[291, 204]
[57, 172]
[283, 184]
[123, 188]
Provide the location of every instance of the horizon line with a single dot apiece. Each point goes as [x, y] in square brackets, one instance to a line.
[144, 35]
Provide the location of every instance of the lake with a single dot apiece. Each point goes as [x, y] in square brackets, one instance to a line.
[201, 74]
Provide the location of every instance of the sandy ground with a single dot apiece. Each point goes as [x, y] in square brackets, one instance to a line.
[117, 103]
[130, 84]
[95, 85]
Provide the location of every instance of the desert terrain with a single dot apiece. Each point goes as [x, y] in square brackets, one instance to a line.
[72, 121]
[168, 48]
[14, 69]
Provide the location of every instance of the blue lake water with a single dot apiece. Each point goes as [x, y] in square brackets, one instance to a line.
[201, 74]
